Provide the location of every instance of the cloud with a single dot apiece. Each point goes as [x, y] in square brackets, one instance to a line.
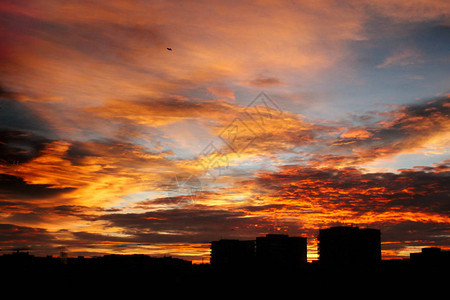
[405, 129]
[12, 187]
[412, 11]
[402, 57]
[17, 147]
[79, 53]
[264, 82]
[294, 199]
[18, 114]
[159, 112]
[221, 92]
[417, 233]
[401, 239]
[356, 134]
[194, 225]
[24, 236]
[362, 196]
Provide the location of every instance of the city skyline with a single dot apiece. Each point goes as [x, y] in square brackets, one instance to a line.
[155, 127]
[269, 251]
[277, 261]
[343, 247]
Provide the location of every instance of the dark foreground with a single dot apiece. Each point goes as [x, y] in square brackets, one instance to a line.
[141, 273]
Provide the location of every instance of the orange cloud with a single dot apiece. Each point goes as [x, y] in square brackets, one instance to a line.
[160, 112]
[356, 133]
[221, 92]
[87, 55]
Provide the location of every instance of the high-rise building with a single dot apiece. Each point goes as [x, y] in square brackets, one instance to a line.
[280, 250]
[349, 246]
[232, 253]
[272, 250]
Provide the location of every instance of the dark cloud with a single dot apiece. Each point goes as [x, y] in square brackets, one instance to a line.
[427, 191]
[78, 151]
[12, 187]
[193, 225]
[73, 210]
[430, 117]
[23, 134]
[16, 115]
[23, 236]
[25, 218]
[175, 200]
[267, 207]
[414, 233]
[181, 219]
[5, 94]
[406, 128]
[124, 154]
[17, 147]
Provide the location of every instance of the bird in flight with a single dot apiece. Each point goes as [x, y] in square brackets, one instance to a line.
[170, 49]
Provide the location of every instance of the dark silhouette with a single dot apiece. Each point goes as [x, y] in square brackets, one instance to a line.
[280, 251]
[347, 254]
[431, 257]
[272, 251]
[170, 49]
[349, 246]
[232, 253]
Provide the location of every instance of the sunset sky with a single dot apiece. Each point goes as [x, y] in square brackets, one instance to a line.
[266, 117]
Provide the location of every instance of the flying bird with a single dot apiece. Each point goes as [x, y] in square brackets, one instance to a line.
[170, 49]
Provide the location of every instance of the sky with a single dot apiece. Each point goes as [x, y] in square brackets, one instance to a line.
[265, 117]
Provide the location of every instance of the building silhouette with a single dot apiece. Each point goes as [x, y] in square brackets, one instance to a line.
[232, 253]
[349, 246]
[269, 261]
[280, 250]
[430, 257]
[272, 250]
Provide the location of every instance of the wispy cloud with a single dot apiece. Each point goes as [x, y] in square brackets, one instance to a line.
[402, 57]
